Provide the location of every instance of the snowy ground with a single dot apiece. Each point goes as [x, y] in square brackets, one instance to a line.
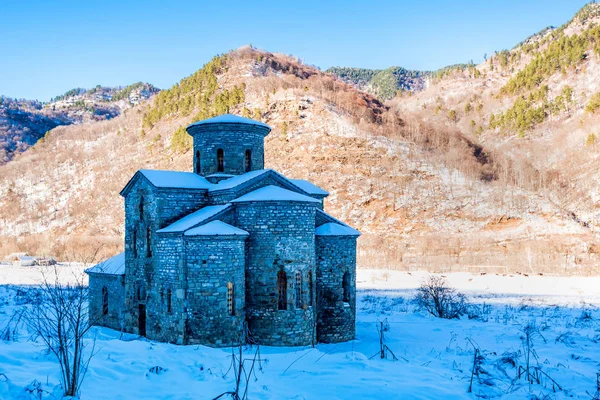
[435, 357]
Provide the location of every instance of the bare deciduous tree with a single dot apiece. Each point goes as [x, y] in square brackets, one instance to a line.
[60, 320]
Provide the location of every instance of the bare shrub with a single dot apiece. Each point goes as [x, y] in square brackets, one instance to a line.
[479, 312]
[384, 351]
[241, 373]
[532, 368]
[439, 299]
[596, 395]
[477, 370]
[60, 320]
[10, 333]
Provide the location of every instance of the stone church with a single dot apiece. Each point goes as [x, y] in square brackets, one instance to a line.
[230, 253]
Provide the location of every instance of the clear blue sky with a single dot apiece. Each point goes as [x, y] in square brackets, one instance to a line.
[48, 47]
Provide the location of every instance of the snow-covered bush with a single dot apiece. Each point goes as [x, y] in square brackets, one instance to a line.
[439, 299]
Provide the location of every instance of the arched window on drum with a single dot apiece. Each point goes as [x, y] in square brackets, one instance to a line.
[220, 160]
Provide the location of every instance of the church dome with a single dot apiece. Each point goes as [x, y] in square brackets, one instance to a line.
[228, 144]
[228, 122]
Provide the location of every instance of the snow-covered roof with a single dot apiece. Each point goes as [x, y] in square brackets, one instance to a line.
[309, 187]
[112, 266]
[230, 119]
[194, 219]
[216, 228]
[175, 179]
[274, 193]
[26, 260]
[238, 180]
[333, 229]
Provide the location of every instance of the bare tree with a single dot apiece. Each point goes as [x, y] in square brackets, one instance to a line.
[60, 319]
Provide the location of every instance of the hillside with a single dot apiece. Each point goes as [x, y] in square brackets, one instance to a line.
[424, 193]
[24, 122]
[385, 83]
[536, 103]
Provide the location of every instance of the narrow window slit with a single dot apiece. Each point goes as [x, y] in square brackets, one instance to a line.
[104, 300]
[248, 161]
[230, 299]
[169, 300]
[220, 161]
[346, 287]
[282, 290]
[298, 289]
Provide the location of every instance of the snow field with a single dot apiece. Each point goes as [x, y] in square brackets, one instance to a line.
[435, 357]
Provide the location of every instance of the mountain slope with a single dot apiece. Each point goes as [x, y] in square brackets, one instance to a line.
[533, 104]
[423, 195]
[24, 122]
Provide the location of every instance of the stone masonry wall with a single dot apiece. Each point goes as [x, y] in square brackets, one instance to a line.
[139, 271]
[116, 300]
[174, 204]
[213, 263]
[165, 301]
[160, 208]
[336, 318]
[281, 238]
[234, 142]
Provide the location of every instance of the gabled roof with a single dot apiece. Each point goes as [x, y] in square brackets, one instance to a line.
[274, 193]
[239, 180]
[216, 228]
[309, 187]
[230, 119]
[237, 183]
[112, 266]
[169, 179]
[195, 218]
[333, 229]
[190, 180]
